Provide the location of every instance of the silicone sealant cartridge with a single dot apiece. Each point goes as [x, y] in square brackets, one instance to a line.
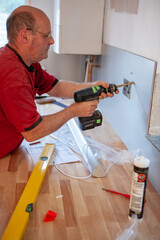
[138, 189]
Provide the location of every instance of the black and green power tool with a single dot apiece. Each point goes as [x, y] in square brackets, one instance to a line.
[89, 94]
[93, 93]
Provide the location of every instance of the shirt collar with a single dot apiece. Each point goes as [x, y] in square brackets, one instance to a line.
[30, 68]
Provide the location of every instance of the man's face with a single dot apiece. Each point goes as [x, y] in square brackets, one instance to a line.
[41, 41]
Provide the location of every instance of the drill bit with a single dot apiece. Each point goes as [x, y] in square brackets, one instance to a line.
[125, 84]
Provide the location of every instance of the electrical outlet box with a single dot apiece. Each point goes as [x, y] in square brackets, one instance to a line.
[127, 89]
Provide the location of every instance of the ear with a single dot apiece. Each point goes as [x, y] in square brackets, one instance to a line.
[24, 36]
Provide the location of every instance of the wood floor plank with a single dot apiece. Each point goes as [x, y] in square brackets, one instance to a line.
[68, 203]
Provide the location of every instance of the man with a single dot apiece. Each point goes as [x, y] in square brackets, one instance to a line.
[21, 77]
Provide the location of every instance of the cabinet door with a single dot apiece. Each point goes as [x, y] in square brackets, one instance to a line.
[78, 26]
[133, 25]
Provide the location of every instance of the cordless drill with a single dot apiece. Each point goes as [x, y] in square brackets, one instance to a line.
[93, 93]
[89, 94]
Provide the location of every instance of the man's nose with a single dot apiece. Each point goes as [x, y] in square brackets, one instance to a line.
[51, 41]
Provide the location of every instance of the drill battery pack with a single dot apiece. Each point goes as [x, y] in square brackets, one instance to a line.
[95, 120]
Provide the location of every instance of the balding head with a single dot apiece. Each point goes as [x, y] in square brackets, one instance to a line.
[23, 17]
[25, 8]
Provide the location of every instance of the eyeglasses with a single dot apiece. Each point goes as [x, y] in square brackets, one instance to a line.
[45, 35]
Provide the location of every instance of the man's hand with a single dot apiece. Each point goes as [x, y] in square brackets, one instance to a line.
[105, 85]
[84, 109]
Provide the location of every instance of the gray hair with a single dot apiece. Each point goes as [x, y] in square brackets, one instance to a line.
[16, 22]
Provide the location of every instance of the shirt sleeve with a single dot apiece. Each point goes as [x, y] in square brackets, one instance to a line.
[19, 107]
[44, 81]
[17, 96]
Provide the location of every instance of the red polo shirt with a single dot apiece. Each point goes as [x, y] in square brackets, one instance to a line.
[18, 87]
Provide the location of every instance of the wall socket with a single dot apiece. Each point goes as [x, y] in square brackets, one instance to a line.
[127, 89]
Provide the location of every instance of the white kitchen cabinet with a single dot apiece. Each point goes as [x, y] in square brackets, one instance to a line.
[133, 25]
[77, 26]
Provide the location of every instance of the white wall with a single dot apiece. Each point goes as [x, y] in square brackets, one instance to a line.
[132, 25]
[129, 116]
[68, 67]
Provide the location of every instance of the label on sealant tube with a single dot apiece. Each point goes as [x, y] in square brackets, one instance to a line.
[138, 189]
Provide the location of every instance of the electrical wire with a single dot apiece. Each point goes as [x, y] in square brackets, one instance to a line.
[68, 175]
[110, 167]
[86, 145]
[64, 173]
